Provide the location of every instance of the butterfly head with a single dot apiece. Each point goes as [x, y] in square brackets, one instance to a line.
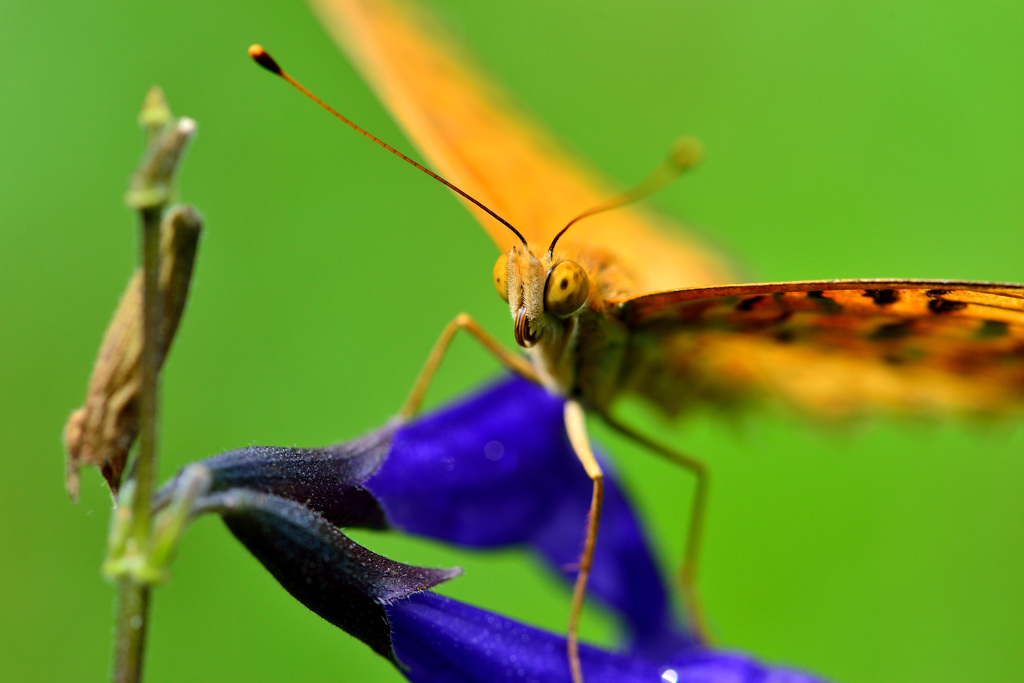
[542, 292]
[545, 293]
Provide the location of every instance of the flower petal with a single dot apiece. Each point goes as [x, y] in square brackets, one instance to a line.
[327, 480]
[497, 469]
[442, 640]
[340, 580]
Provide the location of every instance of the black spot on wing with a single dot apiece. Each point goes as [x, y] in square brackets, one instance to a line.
[783, 317]
[784, 336]
[905, 356]
[993, 329]
[754, 322]
[898, 330]
[940, 305]
[882, 297]
[934, 293]
[748, 303]
[826, 304]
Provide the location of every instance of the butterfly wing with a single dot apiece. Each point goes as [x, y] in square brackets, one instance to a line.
[834, 347]
[476, 137]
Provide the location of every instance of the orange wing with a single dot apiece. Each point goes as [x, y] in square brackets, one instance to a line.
[837, 347]
[475, 137]
[832, 347]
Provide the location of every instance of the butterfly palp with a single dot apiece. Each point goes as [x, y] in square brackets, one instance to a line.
[525, 335]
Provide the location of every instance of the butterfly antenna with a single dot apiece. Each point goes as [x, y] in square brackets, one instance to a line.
[686, 153]
[263, 58]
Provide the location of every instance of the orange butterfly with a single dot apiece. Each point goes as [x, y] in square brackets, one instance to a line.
[619, 305]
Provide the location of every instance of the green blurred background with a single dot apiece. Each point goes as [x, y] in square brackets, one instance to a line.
[860, 139]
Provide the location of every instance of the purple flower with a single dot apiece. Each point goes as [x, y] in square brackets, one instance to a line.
[441, 639]
[492, 470]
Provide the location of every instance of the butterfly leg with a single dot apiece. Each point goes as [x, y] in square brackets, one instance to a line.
[576, 428]
[463, 321]
[688, 570]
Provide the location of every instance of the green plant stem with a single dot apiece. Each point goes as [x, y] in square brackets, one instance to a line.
[133, 612]
[145, 465]
[132, 622]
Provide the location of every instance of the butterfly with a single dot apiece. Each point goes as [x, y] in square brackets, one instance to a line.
[623, 303]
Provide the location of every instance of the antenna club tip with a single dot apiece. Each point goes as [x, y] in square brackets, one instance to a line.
[263, 58]
[686, 152]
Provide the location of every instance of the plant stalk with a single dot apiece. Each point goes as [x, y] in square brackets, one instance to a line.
[133, 612]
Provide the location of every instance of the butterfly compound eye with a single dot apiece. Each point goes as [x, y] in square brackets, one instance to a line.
[566, 290]
[501, 276]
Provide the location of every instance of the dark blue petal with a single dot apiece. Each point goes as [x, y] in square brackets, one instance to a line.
[441, 640]
[487, 459]
[340, 580]
[710, 666]
[327, 480]
[497, 469]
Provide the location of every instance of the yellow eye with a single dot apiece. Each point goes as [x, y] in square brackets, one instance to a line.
[501, 276]
[566, 290]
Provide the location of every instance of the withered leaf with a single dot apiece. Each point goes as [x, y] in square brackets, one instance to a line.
[102, 431]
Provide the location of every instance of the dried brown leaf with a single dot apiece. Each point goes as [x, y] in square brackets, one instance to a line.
[102, 431]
